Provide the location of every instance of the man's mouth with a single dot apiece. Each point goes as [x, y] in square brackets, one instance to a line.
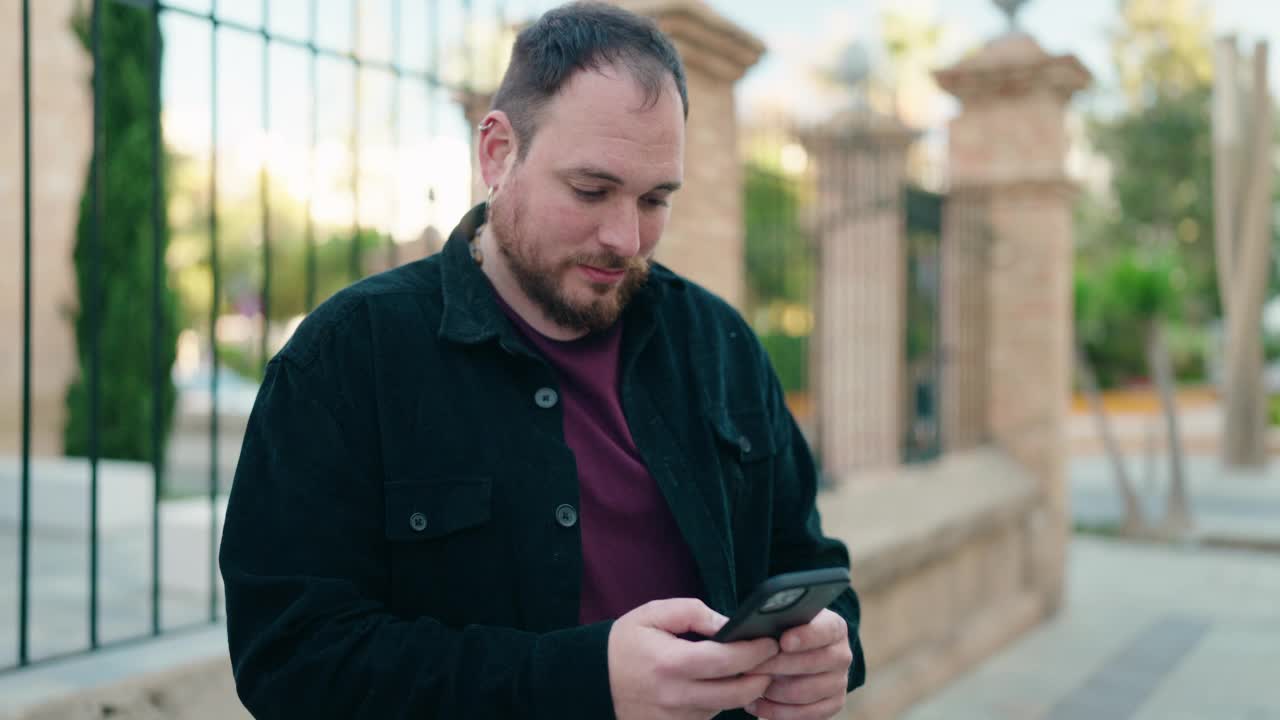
[603, 275]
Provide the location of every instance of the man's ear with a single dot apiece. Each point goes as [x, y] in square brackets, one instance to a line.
[497, 147]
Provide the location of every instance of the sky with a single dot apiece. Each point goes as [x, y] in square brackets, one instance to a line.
[1061, 26]
[401, 123]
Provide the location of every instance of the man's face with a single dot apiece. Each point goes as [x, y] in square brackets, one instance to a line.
[578, 219]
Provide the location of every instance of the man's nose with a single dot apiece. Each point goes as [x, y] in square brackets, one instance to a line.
[621, 232]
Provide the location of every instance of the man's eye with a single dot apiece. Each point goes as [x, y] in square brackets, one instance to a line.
[656, 202]
[589, 195]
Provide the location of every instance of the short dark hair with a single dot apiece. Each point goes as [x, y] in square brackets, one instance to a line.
[583, 36]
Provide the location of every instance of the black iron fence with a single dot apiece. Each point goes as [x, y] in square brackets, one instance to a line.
[810, 192]
[171, 255]
[923, 354]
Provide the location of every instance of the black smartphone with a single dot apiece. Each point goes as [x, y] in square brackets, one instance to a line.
[783, 602]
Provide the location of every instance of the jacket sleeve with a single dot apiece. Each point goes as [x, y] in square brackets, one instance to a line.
[305, 572]
[798, 542]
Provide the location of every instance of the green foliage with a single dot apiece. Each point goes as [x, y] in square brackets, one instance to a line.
[1162, 198]
[240, 251]
[779, 255]
[241, 266]
[1273, 410]
[1146, 249]
[780, 267]
[1161, 48]
[1114, 308]
[245, 362]
[122, 310]
[790, 357]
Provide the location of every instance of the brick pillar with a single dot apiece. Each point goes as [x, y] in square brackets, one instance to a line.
[861, 303]
[1009, 144]
[704, 238]
[61, 139]
[965, 247]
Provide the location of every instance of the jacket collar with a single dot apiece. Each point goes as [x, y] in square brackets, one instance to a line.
[470, 310]
[470, 313]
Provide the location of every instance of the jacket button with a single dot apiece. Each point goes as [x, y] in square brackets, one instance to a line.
[546, 398]
[744, 444]
[566, 515]
[418, 522]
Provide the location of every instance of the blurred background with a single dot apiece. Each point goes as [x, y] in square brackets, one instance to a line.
[1014, 262]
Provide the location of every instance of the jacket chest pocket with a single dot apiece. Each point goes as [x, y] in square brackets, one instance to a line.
[441, 542]
[745, 449]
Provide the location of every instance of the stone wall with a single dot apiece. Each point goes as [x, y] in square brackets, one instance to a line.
[941, 558]
[61, 145]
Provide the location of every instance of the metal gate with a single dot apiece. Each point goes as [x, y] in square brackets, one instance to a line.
[83, 586]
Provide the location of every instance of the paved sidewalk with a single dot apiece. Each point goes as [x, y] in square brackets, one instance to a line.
[1148, 633]
[1228, 507]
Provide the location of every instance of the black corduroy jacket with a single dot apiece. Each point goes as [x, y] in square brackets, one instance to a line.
[395, 544]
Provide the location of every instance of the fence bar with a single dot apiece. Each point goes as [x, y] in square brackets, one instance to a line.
[468, 56]
[103, 63]
[95, 267]
[213, 314]
[351, 57]
[263, 190]
[433, 31]
[158, 379]
[311, 158]
[353, 267]
[939, 349]
[395, 133]
[24, 497]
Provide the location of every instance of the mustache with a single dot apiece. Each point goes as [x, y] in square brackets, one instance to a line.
[612, 261]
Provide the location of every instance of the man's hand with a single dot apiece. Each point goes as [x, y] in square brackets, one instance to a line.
[654, 674]
[811, 675]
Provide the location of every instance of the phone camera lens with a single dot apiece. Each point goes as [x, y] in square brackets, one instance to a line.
[783, 600]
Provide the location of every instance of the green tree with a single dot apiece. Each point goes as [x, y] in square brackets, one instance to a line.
[1133, 299]
[779, 254]
[1159, 146]
[122, 309]
[780, 269]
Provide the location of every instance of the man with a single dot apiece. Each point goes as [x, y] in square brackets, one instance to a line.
[522, 478]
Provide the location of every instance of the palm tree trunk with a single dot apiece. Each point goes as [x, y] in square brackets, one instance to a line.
[1178, 512]
[1134, 522]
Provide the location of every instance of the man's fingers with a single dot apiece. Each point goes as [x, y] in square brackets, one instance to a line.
[810, 662]
[806, 689]
[825, 629]
[726, 693]
[824, 710]
[708, 659]
[678, 616]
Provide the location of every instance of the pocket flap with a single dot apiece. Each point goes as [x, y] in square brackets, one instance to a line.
[747, 431]
[425, 510]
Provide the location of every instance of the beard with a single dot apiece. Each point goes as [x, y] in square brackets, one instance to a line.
[545, 281]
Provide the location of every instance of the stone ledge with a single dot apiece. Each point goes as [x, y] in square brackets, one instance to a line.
[199, 691]
[931, 667]
[898, 520]
[184, 675]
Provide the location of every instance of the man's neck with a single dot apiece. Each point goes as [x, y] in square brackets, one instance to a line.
[504, 283]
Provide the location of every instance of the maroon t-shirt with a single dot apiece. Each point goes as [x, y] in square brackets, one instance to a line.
[632, 550]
